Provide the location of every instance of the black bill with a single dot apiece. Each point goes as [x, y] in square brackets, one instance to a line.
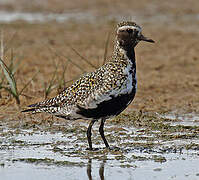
[143, 38]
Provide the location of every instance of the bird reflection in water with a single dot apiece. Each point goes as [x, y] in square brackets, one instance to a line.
[101, 169]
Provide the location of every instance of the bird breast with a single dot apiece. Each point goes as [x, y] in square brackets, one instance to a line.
[131, 81]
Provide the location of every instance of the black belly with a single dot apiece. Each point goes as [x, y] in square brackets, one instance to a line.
[108, 108]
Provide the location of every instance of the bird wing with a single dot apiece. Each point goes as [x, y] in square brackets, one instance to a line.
[110, 85]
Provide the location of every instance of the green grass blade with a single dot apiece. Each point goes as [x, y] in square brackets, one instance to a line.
[10, 78]
[26, 85]
[51, 86]
[83, 58]
[61, 80]
[61, 56]
[14, 95]
[14, 66]
[9, 43]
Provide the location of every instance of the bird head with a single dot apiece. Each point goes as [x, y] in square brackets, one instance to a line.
[129, 34]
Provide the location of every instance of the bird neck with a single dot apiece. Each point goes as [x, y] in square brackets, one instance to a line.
[124, 53]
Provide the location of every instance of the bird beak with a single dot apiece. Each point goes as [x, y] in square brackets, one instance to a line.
[143, 38]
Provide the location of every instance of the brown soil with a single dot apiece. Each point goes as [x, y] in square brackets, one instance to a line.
[167, 71]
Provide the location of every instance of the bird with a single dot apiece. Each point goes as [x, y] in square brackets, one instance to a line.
[103, 93]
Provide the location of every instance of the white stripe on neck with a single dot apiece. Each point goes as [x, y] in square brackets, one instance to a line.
[130, 27]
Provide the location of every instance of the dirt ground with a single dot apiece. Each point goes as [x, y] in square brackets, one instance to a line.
[167, 71]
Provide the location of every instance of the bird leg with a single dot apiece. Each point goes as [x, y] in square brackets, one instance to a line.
[101, 130]
[89, 133]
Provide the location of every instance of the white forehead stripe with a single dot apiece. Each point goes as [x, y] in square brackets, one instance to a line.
[130, 27]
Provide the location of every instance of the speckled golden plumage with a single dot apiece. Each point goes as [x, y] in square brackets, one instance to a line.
[105, 92]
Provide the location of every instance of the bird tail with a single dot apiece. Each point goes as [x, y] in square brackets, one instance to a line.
[44, 106]
[33, 108]
[29, 110]
[49, 106]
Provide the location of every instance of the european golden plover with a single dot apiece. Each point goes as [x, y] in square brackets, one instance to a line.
[104, 93]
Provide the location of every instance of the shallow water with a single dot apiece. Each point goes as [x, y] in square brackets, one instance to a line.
[189, 119]
[86, 16]
[29, 17]
[176, 169]
[50, 155]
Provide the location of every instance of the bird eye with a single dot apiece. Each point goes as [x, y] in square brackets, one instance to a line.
[129, 31]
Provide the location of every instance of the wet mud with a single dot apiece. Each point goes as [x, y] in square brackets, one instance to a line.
[145, 145]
